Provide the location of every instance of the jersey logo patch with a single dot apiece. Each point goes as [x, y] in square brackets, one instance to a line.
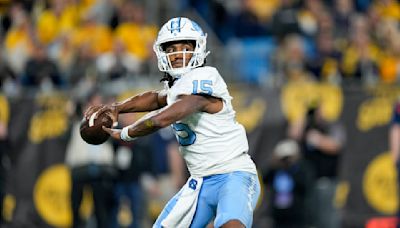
[193, 184]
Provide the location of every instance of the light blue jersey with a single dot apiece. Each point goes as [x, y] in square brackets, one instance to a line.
[210, 143]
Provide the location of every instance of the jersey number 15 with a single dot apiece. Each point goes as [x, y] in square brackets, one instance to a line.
[202, 87]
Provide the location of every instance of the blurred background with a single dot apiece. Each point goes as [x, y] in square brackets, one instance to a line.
[314, 82]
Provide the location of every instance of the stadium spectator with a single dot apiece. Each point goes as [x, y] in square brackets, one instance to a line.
[389, 63]
[264, 10]
[246, 23]
[322, 143]
[9, 83]
[82, 76]
[360, 58]
[40, 71]
[289, 181]
[326, 24]
[5, 21]
[387, 8]
[308, 16]
[63, 53]
[118, 63]
[285, 20]
[325, 66]
[97, 36]
[134, 32]
[18, 41]
[343, 10]
[60, 18]
[290, 60]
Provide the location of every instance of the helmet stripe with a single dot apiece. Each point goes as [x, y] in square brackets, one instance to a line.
[176, 25]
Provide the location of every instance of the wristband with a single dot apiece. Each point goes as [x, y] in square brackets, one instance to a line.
[125, 136]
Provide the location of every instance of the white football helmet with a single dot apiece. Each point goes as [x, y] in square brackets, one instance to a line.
[180, 28]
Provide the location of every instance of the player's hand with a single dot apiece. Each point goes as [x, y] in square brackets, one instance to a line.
[113, 132]
[92, 109]
[110, 110]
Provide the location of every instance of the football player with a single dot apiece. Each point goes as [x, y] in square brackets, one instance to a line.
[196, 102]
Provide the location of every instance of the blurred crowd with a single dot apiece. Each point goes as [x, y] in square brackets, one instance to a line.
[325, 40]
[81, 46]
[66, 44]
[69, 44]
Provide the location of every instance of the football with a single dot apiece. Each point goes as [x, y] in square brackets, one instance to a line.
[91, 129]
